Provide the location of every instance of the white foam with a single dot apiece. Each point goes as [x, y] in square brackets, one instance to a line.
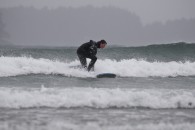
[96, 98]
[96, 126]
[142, 68]
[13, 66]
[66, 125]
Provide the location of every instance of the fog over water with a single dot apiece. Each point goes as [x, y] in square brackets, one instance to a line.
[65, 23]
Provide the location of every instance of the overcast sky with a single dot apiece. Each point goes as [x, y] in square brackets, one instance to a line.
[148, 10]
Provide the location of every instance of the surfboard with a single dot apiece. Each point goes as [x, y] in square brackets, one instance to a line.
[106, 75]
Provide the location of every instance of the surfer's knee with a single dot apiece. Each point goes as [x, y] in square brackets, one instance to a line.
[94, 59]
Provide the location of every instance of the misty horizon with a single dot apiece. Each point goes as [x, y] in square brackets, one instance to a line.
[67, 26]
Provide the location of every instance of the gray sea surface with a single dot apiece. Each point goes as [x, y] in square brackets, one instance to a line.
[41, 90]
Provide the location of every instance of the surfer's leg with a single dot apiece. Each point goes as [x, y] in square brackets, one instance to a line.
[83, 61]
[91, 64]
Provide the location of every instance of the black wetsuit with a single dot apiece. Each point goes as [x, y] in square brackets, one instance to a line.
[88, 50]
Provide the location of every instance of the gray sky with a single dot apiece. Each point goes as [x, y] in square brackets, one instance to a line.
[148, 10]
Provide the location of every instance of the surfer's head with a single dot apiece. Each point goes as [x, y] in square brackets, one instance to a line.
[102, 44]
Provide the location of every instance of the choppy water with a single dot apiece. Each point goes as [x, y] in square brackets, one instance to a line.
[154, 89]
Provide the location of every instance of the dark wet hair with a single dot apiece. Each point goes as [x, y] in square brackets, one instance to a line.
[103, 41]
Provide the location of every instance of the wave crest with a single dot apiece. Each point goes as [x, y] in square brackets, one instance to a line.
[14, 66]
[96, 98]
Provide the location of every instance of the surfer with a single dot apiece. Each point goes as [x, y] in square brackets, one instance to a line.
[89, 50]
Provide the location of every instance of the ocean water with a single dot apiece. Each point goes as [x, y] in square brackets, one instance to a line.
[41, 89]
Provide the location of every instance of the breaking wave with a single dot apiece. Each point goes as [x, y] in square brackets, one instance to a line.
[61, 125]
[15, 66]
[96, 98]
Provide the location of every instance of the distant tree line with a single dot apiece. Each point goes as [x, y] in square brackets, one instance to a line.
[72, 26]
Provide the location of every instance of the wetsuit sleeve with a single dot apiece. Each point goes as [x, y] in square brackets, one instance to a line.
[91, 64]
[92, 49]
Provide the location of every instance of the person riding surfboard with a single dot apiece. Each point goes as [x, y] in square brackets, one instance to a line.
[89, 50]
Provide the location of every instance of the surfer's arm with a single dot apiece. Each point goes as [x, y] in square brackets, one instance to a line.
[91, 64]
[92, 48]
